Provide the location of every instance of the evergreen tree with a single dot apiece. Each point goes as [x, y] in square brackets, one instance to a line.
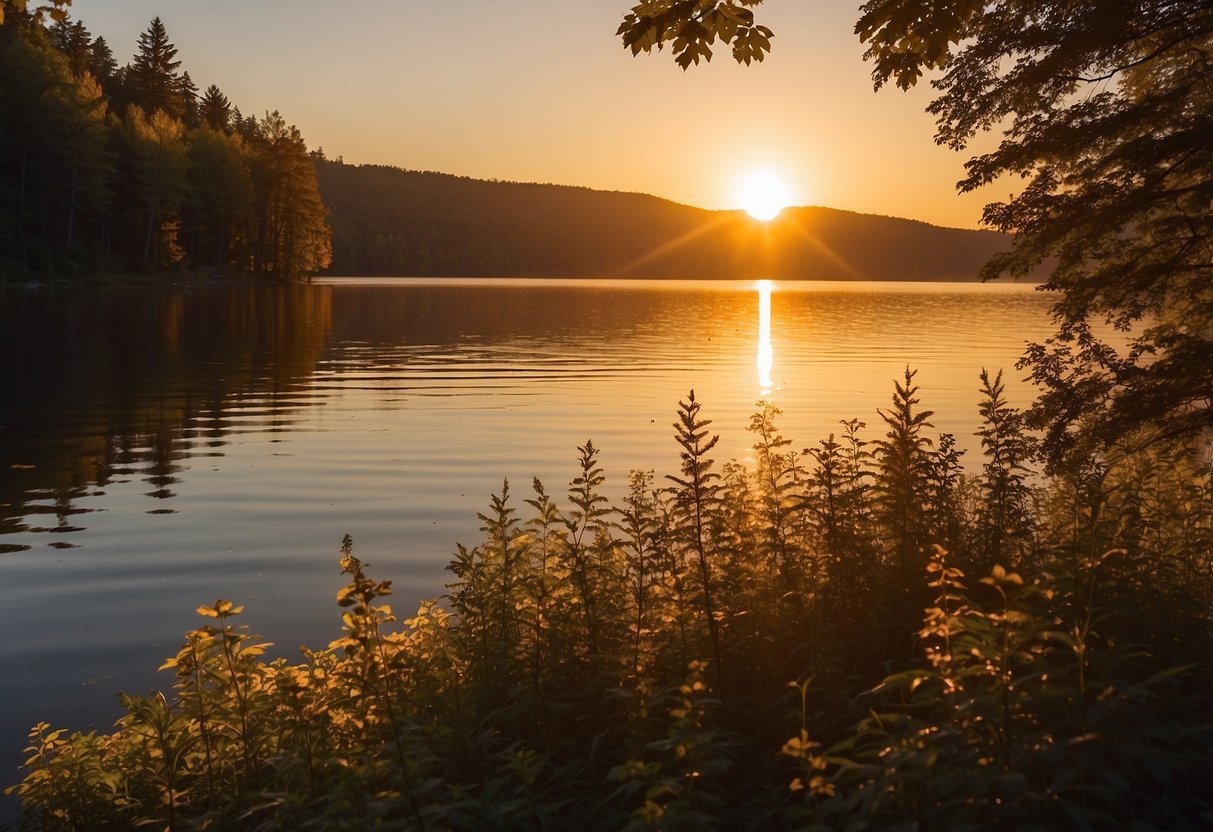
[215, 110]
[74, 41]
[189, 100]
[151, 80]
[101, 63]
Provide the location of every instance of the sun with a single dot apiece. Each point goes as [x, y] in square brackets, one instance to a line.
[763, 194]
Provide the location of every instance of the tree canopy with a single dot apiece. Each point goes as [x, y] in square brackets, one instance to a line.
[1106, 113]
[108, 169]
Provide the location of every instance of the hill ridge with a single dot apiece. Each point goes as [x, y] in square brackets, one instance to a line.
[390, 221]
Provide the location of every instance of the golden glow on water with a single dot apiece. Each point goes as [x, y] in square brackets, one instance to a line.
[766, 354]
[244, 429]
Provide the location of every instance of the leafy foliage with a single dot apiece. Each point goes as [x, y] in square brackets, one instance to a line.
[690, 27]
[718, 653]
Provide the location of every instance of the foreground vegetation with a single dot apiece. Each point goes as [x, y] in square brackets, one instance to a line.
[856, 636]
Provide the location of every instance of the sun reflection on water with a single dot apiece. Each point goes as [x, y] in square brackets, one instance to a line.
[766, 356]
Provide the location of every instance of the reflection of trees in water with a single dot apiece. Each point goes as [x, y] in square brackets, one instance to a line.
[103, 385]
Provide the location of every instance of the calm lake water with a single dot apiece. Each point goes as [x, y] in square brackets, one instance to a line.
[161, 448]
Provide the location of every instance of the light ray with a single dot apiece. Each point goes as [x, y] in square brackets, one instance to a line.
[766, 353]
[815, 241]
[670, 245]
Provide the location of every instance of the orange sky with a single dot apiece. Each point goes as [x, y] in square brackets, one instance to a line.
[542, 91]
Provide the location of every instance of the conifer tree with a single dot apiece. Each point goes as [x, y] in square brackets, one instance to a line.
[189, 100]
[74, 41]
[215, 110]
[152, 81]
[101, 63]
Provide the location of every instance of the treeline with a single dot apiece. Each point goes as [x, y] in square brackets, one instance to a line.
[388, 221]
[108, 168]
[857, 635]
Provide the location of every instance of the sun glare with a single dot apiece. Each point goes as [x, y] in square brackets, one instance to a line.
[763, 194]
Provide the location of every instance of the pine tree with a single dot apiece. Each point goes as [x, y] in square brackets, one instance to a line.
[215, 110]
[101, 64]
[152, 81]
[74, 41]
[189, 100]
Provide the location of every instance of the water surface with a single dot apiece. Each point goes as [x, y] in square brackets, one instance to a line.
[161, 448]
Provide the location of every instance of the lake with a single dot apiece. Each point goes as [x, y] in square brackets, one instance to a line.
[164, 447]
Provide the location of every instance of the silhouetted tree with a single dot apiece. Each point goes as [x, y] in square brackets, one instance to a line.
[151, 80]
[215, 110]
[74, 41]
[189, 100]
[101, 63]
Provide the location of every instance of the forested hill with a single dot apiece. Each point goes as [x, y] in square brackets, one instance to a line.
[388, 221]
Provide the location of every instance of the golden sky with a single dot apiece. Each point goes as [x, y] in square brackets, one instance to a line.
[542, 91]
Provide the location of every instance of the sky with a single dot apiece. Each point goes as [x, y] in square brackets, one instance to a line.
[543, 91]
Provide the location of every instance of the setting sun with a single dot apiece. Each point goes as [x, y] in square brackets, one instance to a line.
[763, 194]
